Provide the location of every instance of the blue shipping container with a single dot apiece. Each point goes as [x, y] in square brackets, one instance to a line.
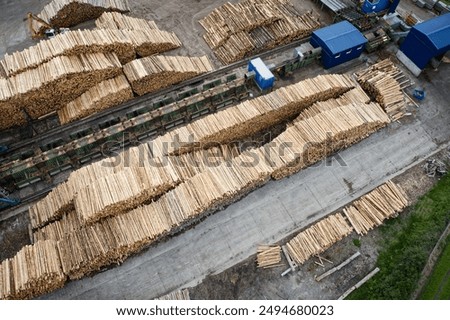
[340, 42]
[263, 76]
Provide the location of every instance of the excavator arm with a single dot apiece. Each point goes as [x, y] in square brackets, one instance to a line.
[36, 33]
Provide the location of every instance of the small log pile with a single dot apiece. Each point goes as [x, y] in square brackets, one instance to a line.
[382, 81]
[318, 238]
[153, 73]
[68, 13]
[250, 117]
[235, 31]
[176, 295]
[102, 96]
[116, 20]
[35, 270]
[268, 256]
[124, 43]
[314, 138]
[373, 208]
[55, 83]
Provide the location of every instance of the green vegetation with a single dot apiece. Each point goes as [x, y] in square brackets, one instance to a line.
[438, 286]
[357, 242]
[406, 244]
[447, 2]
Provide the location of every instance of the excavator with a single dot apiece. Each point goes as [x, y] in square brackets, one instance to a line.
[37, 33]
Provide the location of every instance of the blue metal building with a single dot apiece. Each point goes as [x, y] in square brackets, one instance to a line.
[375, 6]
[263, 76]
[340, 42]
[427, 40]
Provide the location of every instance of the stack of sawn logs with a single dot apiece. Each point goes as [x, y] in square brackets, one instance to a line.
[34, 270]
[68, 13]
[125, 43]
[363, 214]
[252, 116]
[102, 96]
[372, 209]
[317, 238]
[46, 77]
[234, 31]
[382, 81]
[153, 73]
[112, 239]
[53, 84]
[96, 191]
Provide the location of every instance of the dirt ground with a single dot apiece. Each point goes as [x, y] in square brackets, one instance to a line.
[14, 235]
[246, 281]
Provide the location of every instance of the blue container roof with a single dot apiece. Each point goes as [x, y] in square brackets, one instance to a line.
[340, 37]
[437, 30]
[262, 69]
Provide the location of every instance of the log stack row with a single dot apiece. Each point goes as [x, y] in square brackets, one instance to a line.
[125, 43]
[98, 190]
[372, 209]
[252, 116]
[382, 81]
[53, 84]
[102, 96]
[234, 31]
[314, 138]
[33, 271]
[318, 238]
[153, 73]
[68, 13]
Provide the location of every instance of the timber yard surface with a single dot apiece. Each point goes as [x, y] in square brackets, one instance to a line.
[215, 258]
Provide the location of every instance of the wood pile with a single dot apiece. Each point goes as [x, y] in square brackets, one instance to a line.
[33, 271]
[373, 208]
[102, 96]
[314, 138]
[68, 13]
[153, 73]
[176, 295]
[250, 117]
[53, 84]
[382, 81]
[154, 41]
[116, 20]
[124, 43]
[12, 114]
[235, 31]
[268, 256]
[318, 238]
[110, 187]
